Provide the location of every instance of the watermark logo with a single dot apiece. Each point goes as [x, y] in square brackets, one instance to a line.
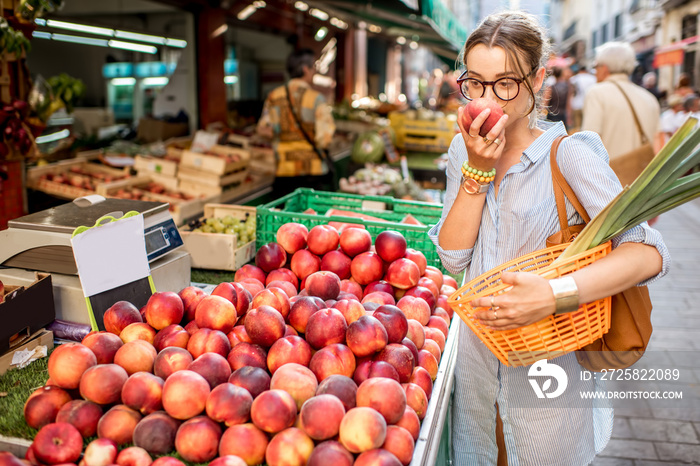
[546, 371]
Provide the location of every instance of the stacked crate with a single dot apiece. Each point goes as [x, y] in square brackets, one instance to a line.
[162, 170]
[214, 172]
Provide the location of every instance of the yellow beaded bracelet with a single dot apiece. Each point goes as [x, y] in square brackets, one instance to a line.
[479, 178]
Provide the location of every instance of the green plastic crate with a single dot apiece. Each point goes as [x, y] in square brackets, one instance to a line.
[290, 208]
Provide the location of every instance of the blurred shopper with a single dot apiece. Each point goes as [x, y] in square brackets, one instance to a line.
[649, 83]
[610, 106]
[671, 119]
[581, 82]
[683, 87]
[301, 124]
[560, 94]
[505, 214]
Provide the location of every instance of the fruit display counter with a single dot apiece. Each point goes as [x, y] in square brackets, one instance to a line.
[336, 347]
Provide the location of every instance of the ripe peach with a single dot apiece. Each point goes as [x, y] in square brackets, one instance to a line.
[377, 457]
[225, 290]
[332, 359]
[427, 361]
[250, 271]
[229, 404]
[7, 458]
[394, 322]
[138, 331]
[171, 359]
[422, 378]
[352, 287]
[273, 411]
[243, 298]
[206, 340]
[102, 384]
[441, 313]
[474, 108]
[390, 245]
[416, 333]
[291, 447]
[415, 308]
[417, 257]
[340, 386]
[367, 267]
[136, 356]
[119, 315]
[100, 452]
[322, 239]
[253, 379]
[433, 348]
[337, 262]
[284, 275]
[134, 456]
[449, 281]
[320, 416]
[190, 296]
[366, 336]
[164, 308]
[155, 433]
[440, 324]
[297, 380]
[273, 297]
[304, 263]
[247, 354]
[330, 452]
[369, 368]
[253, 285]
[300, 312]
[400, 357]
[286, 350]
[104, 345]
[270, 256]
[326, 327]
[354, 241]
[118, 424]
[286, 286]
[167, 461]
[362, 429]
[213, 367]
[197, 439]
[216, 312]
[143, 392]
[410, 422]
[444, 304]
[83, 414]
[43, 406]
[265, 325]
[408, 343]
[68, 362]
[172, 335]
[379, 285]
[416, 399]
[402, 273]
[385, 395]
[185, 394]
[238, 335]
[379, 297]
[228, 460]
[58, 442]
[292, 236]
[191, 327]
[245, 441]
[435, 334]
[351, 309]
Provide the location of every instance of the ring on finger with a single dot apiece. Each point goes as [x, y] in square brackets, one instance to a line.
[497, 141]
[487, 141]
[495, 315]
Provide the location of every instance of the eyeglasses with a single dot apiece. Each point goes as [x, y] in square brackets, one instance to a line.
[505, 88]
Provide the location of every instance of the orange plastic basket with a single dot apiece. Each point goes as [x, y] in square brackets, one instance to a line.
[550, 337]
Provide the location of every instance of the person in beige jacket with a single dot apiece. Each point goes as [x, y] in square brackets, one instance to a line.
[605, 109]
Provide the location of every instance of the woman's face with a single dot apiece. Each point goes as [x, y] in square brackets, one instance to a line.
[489, 64]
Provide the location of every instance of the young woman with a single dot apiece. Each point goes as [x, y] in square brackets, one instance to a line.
[486, 224]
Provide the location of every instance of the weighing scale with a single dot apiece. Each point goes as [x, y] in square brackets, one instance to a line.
[42, 242]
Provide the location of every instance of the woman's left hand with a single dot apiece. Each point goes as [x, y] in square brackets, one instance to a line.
[529, 300]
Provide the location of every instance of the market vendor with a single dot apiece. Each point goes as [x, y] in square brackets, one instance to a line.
[299, 121]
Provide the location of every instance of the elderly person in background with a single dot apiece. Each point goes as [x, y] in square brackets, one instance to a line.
[606, 108]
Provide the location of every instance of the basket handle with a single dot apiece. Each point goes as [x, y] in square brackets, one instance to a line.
[562, 188]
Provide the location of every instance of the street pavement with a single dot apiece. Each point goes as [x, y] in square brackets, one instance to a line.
[651, 433]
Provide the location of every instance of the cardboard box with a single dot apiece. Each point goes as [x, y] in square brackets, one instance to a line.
[151, 130]
[25, 310]
[219, 251]
[42, 337]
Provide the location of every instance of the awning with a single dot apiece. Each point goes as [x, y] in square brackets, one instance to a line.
[673, 54]
[444, 22]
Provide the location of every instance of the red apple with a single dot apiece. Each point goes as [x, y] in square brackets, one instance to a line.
[292, 237]
[270, 256]
[322, 239]
[474, 108]
[56, 443]
[163, 309]
[390, 245]
[121, 314]
[354, 241]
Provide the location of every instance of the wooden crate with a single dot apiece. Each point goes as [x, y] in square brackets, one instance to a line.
[171, 183]
[42, 337]
[219, 251]
[158, 165]
[262, 160]
[37, 181]
[217, 160]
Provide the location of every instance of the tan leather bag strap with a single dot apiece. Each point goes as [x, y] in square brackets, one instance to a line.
[562, 189]
[634, 113]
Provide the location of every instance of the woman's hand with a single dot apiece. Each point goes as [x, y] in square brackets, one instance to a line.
[483, 154]
[529, 300]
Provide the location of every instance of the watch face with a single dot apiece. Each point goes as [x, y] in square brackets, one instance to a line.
[472, 186]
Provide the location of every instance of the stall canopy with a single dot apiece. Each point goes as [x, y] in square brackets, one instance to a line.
[429, 22]
[673, 54]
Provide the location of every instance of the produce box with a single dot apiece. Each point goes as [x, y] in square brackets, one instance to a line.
[171, 183]
[183, 206]
[423, 135]
[25, 310]
[390, 214]
[219, 251]
[41, 337]
[297, 158]
[218, 160]
[161, 165]
[175, 146]
[192, 175]
[71, 179]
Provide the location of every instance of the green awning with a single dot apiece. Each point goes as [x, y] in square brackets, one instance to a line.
[444, 22]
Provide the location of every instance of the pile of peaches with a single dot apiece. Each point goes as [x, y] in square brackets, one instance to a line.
[322, 353]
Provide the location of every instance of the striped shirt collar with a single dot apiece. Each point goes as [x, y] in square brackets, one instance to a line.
[540, 148]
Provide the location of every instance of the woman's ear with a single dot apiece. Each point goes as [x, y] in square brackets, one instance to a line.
[539, 79]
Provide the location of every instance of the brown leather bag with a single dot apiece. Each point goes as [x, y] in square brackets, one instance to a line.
[629, 165]
[630, 317]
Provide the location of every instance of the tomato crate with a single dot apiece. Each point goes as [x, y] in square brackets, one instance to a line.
[309, 207]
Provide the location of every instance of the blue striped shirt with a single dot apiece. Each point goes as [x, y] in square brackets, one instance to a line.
[515, 223]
